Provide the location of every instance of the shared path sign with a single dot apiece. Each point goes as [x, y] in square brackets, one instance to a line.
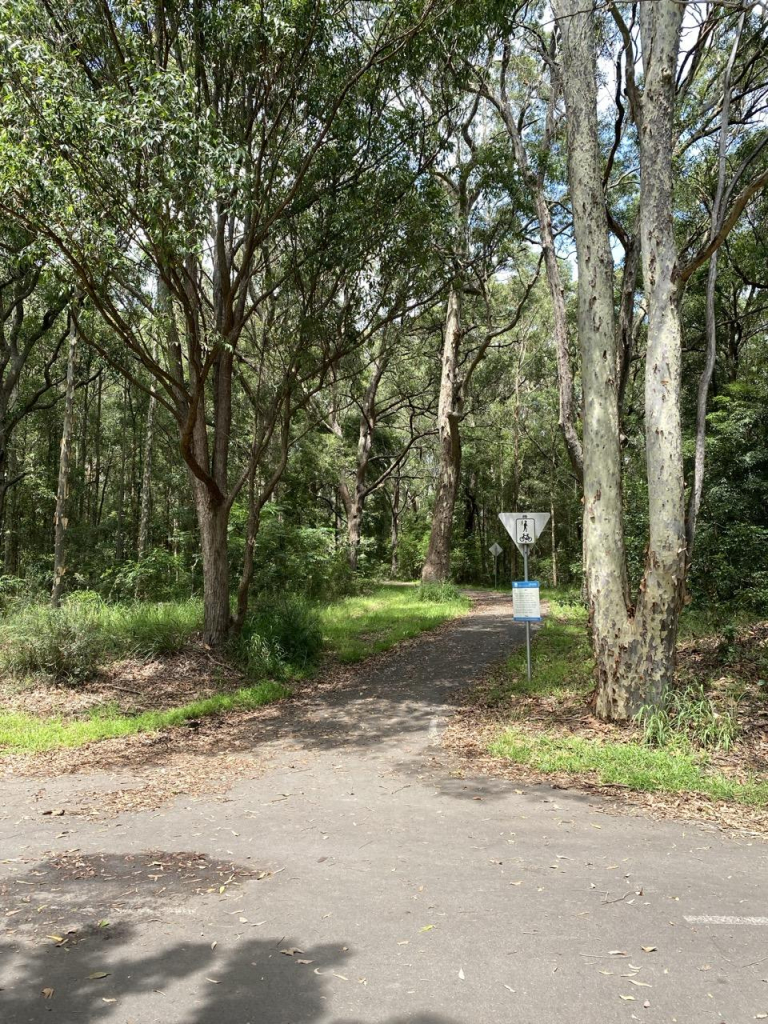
[525, 528]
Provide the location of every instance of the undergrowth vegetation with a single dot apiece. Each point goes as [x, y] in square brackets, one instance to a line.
[689, 716]
[68, 644]
[547, 724]
[282, 640]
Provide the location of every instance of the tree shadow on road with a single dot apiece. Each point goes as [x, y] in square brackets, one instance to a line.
[75, 949]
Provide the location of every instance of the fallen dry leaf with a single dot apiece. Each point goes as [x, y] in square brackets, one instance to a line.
[304, 961]
[47, 993]
[648, 949]
[97, 975]
[291, 951]
[627, 998]
[461, 974]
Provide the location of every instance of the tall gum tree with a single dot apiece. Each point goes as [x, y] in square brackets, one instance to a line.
[634, 637]
[634, 647]
[484, 241]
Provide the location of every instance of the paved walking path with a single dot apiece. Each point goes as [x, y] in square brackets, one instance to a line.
[357, 881]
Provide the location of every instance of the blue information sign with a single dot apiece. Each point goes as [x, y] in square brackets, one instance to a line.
[525, 601]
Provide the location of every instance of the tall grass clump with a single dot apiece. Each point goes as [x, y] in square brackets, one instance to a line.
[439, 593]
[68, 644]
[282, 634]
[688, 717]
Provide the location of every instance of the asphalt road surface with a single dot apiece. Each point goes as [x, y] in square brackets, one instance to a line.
[358, 880]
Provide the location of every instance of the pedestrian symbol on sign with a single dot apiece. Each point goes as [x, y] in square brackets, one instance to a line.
[525, 531]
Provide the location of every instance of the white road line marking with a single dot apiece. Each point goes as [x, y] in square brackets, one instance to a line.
[725, 919]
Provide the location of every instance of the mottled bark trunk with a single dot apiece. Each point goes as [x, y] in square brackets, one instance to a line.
[634, 649]
[437, 566]
[62, 490]
[656, 617]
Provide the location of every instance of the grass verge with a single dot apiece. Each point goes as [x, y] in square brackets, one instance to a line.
[547, 723]
[357, 627]
[26, 732]
[631, 764]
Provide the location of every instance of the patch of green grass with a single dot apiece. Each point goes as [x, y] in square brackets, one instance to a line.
[561, 655]
[27, 732]
[669, 770]
[366, 624]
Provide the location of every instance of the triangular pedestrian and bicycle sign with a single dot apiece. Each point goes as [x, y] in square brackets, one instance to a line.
[524, 528]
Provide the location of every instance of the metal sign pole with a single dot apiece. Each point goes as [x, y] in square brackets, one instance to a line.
[495, 572]
[527, 625]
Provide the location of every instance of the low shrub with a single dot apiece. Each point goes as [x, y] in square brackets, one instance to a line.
[61, 643]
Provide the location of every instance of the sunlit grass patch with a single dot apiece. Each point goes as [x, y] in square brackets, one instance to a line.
[28, 732]
[366, 624]
[562, 657]
[670, 770]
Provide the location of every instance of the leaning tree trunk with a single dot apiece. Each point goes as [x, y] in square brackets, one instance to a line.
[62, 491]
[437, 566]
